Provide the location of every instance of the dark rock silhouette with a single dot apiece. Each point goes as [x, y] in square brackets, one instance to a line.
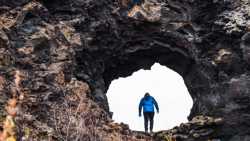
[67, 53]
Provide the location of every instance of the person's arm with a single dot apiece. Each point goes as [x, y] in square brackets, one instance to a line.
[140, 107]
[156, 105]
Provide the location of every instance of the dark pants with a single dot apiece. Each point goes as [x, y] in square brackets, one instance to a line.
[148, 116]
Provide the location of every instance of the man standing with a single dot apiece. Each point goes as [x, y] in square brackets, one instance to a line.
[148, 102]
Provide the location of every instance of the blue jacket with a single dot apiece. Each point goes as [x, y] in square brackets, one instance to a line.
[148, 104]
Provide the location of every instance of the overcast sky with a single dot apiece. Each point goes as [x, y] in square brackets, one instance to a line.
[165, 85]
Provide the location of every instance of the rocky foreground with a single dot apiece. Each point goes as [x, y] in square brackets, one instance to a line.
[58, 58]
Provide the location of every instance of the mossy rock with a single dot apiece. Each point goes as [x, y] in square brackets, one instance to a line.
[6, 60]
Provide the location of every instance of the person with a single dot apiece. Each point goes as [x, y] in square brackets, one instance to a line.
[147, 103]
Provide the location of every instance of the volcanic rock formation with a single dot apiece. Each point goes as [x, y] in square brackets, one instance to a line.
[67, 52]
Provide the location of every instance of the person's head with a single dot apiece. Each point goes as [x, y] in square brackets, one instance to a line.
[146, 94]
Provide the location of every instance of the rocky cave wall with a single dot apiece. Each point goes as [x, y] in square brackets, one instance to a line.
[66, 53]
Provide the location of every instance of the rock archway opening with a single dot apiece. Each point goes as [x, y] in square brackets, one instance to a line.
[102, 68]
[164, 84]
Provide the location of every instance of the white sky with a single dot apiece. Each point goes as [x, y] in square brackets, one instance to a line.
[165, 85]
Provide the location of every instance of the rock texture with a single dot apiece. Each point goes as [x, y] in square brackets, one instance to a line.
[199, 128]
[67, 53]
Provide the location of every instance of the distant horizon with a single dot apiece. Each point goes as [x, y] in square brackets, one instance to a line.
[164, 84]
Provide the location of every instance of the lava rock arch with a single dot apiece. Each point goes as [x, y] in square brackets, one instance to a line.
[67, 53]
